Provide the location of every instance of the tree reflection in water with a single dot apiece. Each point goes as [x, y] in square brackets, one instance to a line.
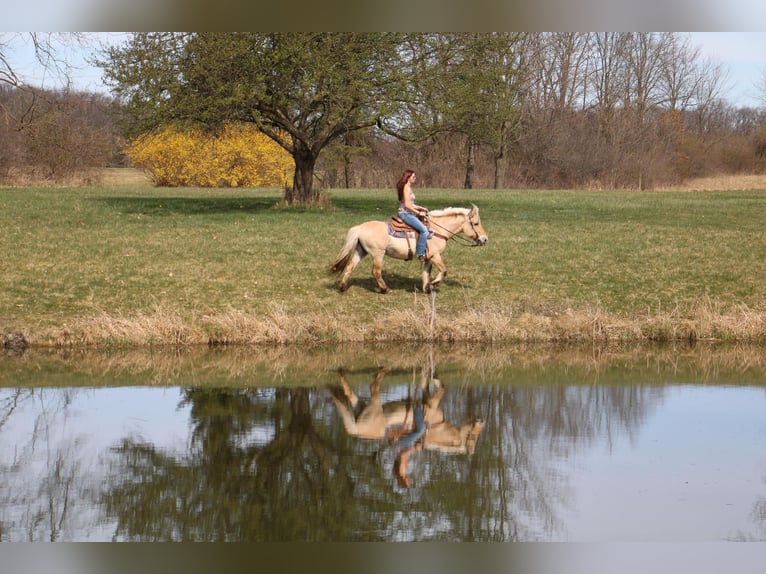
[277, 463]
[41, 508]
[231, 486]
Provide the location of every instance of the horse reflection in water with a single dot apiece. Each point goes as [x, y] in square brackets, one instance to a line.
[408, 425]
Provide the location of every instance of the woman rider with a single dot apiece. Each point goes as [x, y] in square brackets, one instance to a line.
[409, 211]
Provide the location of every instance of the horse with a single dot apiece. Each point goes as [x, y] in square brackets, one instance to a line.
[374, 238]
[378, 421]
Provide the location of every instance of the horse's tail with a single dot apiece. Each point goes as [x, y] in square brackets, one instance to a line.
[352, 240]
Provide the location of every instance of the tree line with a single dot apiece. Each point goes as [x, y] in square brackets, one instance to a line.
[56, 136]
[492, 110]
[52, 135]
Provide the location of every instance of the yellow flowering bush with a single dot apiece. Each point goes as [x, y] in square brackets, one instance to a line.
[238, 156]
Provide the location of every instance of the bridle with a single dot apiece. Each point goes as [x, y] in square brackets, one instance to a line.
[454, 234]
[473, 228]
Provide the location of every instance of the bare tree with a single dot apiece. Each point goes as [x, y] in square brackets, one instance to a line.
[46, 47]
[49, 134]
[608, 71]
[645, 58]
[760, 85]
[708, 93]
[680, 74]
[558, 63]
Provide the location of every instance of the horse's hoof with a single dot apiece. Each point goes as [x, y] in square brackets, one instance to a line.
[427, 289]
[386, 290]
[342, 288]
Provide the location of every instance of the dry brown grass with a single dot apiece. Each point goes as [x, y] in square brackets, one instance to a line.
[424, 322]
[108, 176]
[21, 177]
[124, 176]
[734, 182]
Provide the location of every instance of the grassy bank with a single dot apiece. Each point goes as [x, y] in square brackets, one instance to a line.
[133, 265]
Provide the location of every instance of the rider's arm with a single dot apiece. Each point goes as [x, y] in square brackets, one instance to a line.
[409, 205]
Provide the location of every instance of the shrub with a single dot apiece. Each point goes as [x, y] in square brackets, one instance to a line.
[237, 156]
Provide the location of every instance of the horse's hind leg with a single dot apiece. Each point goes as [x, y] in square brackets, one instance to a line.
[377, 272]
[353, 261]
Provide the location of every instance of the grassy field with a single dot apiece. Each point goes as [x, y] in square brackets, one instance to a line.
[127, 264]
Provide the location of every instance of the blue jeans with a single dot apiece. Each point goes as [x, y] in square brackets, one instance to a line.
[412, 220]
[420, 429]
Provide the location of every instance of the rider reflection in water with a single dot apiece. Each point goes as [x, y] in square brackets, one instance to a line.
[407, 444]
[407, 424]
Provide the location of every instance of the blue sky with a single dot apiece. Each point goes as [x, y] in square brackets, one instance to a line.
[742, 54]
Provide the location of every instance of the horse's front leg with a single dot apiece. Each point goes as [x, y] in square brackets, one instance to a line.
[437, 260]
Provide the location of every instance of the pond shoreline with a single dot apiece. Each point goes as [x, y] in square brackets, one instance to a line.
[239, 365]
[425, 325]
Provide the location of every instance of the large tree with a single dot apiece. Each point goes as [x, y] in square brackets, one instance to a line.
[304, 90]
[468, 83]
[492, 75]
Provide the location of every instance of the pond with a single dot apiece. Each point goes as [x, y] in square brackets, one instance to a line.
[515, 444]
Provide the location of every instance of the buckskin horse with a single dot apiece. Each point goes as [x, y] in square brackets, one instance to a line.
[378, 420]
[377, 239]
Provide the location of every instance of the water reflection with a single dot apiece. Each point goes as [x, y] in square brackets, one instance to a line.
[44, 472]
[235, 481]
[408, 424]
[340, 454]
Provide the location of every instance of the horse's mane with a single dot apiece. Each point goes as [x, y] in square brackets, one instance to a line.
[450, 211]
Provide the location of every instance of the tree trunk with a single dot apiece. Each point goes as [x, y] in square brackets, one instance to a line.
[302, 191]
[499, 169]
[347, 171]
[470, 165]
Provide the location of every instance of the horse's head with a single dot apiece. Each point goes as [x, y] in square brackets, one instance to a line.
[472, 227]
[450, 439]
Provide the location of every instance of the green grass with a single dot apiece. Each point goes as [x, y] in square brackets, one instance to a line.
[223, 264]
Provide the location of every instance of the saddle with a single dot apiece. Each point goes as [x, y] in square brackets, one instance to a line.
[398, 228]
